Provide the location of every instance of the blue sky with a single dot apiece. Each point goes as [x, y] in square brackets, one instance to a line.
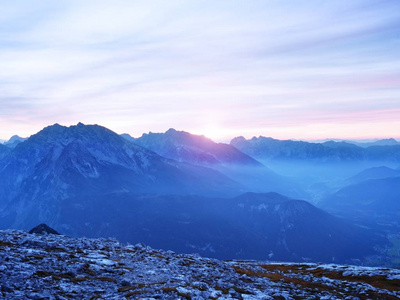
[286, 69]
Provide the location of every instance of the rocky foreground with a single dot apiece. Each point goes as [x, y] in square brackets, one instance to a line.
[34, 266]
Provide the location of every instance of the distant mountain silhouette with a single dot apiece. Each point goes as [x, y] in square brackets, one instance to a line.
[382, 142]
[374, 173]
[43, 229]
[272, 149]
[269, 148]
[14, 141]
[201, 151]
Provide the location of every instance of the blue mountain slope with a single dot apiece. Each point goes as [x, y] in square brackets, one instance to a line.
[319, 168]
[251, 226]
[328, 152]
[195, 149]
[382, 142]
[62, 162]
[3, 151]
[14, 141]
[201, 151]
[374, 173]
[373, 202]
[269, 148]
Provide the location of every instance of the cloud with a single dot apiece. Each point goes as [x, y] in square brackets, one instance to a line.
[137, 66]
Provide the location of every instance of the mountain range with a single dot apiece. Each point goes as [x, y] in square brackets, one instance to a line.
[320, 169]
[226, 159]
[61, 162]
[195, 149]
[183, 192]
[381, 142]
[272, 149]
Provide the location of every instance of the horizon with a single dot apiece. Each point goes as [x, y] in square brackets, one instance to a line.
[288, 69]
[227, 141]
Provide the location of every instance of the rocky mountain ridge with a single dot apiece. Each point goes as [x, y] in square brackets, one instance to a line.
[59, 267]
[196, 149]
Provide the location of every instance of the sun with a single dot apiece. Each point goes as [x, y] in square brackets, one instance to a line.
[215, 133]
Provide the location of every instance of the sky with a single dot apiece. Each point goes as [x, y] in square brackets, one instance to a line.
[301, 69]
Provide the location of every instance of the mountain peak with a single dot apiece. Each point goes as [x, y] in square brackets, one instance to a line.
[194, 149]
[55, 125]
[385, 142]
[15, 138]
[14, 141]
[238, 139]
[43, 229]
[184, 136]
[171, 130]
[64, 134]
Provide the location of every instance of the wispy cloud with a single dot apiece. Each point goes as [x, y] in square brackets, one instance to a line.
[224, 68]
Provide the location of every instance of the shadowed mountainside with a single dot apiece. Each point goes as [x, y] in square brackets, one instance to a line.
[374, 201]
[251, 226]
[63, 162]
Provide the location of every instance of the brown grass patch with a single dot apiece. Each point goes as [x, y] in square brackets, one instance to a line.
[276, 277]
[54, 249]
[377, 281]
[276, 274]
[43, 274]
[68, 275]
[169, 289]
[123, 289]
[106, 279]
[79, 279]
[5, 244]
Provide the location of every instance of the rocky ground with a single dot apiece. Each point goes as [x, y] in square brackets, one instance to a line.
[35, 266]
